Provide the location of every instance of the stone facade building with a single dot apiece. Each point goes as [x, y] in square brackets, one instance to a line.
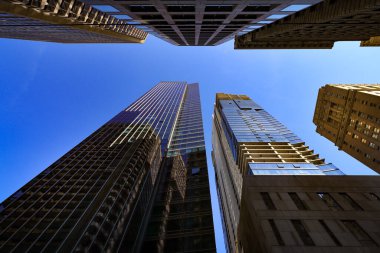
[349, 116]
[310, 214]
[66, 21]
[319, 27]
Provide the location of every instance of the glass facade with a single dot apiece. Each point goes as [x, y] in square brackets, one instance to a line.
[181, 219]
[119, 190]
[248, 141]
[188, 134]
[157, 108]
[88, 200]
[248, 127]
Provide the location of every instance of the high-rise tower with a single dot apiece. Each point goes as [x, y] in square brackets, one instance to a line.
[100, 195]
[181, 219]
[200, 22]
[277, 195]
[66, 21]
[319, 27]
[349, 116]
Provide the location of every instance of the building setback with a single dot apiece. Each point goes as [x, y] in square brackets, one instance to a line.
[66, 21]
[319, 27]
[349, 116]
[100, 195]
[201, 22]
[277, 195]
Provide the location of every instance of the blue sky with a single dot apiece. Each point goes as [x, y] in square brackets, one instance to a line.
[54, 95]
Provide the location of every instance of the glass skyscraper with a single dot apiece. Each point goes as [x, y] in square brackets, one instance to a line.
[248, 140]
[139, 181]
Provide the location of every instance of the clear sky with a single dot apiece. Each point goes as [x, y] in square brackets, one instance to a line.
[54, 95]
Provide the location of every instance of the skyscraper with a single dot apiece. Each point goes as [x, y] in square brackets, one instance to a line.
[349, 116]
[181, 219]
[100, 195]
[277, 195]
[200, 22]
[319, 27]
[66, 21]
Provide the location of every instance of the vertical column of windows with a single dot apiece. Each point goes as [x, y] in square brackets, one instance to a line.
[297, 201]
[157, 108]
[331, 234]
[302, 232]
[352, 202]
[330, 201]
[359, 233]
[276, 232]
[268, 201]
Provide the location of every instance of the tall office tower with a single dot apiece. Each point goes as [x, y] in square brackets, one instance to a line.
[248, 140]
[349, 116]
[66, 21]
[201, 22]
[276, 195]
[319, 27]
[98, 196]
[181, 219]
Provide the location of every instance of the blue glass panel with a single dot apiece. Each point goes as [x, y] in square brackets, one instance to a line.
[122, 16]
[105, 8]
[277, 16]
[296, 7]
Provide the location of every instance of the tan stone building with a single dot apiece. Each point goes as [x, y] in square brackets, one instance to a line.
[65, 21]
[319, 27]
[349, 116]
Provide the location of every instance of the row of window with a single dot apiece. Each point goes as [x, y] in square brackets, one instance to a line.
[366, 155]
[364, 102]
[327, 198]
[299, 226]
[364, 141]
[367, 116]
[358, 124]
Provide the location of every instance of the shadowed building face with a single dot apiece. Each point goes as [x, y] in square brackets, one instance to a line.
[66, 21]
[201, 22]
[319, 27]
[100, 195]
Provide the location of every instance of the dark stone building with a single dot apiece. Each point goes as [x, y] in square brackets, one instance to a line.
[319, 27]
[201, 22]
[310, 214]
